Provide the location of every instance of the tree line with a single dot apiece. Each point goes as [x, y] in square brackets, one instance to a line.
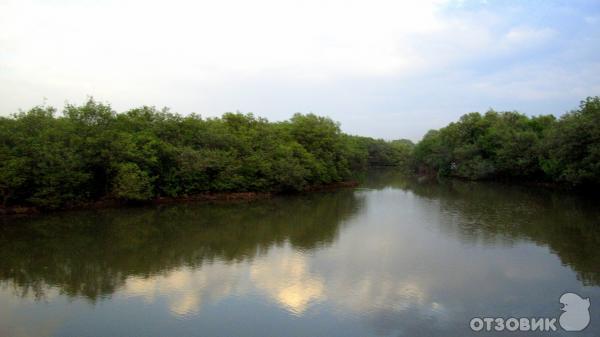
[511, 145]
[91, 153]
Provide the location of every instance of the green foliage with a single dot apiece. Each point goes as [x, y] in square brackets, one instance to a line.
[91, 152]
[510, 145]
[321, 137]
[39, 162]
[573, 147]
[363, 152]
[131, 183]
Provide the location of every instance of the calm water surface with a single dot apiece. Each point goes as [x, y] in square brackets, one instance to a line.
[396, 257]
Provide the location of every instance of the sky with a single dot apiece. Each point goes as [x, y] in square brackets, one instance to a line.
[382, 68]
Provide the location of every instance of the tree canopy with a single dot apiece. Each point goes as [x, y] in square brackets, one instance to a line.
[511, 145]
[90, 152]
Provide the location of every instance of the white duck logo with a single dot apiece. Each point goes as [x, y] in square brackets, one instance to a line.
[576, 315]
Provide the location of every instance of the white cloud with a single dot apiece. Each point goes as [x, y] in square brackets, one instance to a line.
[273, 57]
[70, 42]
[132, 52]
[528, 35]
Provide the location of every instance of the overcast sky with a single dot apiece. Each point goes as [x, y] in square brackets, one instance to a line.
[387, 69]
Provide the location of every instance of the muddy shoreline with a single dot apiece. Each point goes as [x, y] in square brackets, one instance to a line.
[196, 198]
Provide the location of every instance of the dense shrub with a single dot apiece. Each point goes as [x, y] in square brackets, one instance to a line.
[91, 152]
[510, 145]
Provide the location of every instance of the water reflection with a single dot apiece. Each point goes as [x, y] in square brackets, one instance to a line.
[397, 256]
[489, 214]
[286, 278]
[92, 254]
[187, 289]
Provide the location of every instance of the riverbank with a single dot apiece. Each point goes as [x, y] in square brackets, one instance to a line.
[196, 198]
[587, 190]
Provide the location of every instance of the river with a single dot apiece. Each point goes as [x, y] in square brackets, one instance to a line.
[393, 257]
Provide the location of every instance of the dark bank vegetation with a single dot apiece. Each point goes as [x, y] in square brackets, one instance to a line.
[91, 153]
[513, 146]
